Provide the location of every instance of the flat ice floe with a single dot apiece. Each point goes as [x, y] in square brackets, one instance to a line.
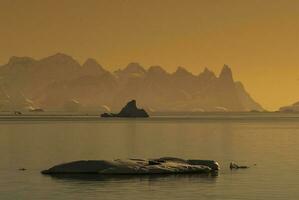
[135, 166]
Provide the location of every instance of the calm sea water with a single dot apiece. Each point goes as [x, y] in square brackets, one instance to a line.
[271, 141]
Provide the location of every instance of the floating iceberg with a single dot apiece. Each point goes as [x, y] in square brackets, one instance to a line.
[165, 165]
[129, 111]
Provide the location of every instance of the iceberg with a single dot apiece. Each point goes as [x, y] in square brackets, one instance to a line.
[129, 111]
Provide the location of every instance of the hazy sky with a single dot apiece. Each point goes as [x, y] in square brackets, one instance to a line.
[258, 39]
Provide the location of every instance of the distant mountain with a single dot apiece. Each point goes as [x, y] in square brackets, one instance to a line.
[291, 108]
[59, 82]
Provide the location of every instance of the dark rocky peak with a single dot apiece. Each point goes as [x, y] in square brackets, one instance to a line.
[20, 60]
[131, 105]
[226, 74]
[130, 110]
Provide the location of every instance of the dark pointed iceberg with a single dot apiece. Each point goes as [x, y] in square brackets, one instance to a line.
[130, 110]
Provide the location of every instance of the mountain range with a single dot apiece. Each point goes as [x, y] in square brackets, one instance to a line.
[60, 83]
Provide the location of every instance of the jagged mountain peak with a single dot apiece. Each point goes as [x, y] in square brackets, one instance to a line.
[132, 70]
[60, 58]
[207, 74]
[181, 71]
[134, 67]
[226, 74]
[92, 67]
[156, 70]
[91, 62]
[207, 70]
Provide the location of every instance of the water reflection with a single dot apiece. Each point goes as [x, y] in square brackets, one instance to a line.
[85, 178]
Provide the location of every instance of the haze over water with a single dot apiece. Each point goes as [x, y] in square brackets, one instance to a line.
[267, 140]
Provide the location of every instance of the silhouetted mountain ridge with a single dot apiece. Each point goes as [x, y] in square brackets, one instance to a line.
[53, 81]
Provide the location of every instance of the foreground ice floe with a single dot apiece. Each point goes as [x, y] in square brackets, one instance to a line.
[135, 166]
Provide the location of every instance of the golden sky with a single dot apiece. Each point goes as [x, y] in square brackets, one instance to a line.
[258, 39]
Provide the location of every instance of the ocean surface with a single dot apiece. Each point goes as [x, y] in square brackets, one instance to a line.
[267, 142]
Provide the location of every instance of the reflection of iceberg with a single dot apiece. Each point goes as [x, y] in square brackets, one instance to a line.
[135, 166]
